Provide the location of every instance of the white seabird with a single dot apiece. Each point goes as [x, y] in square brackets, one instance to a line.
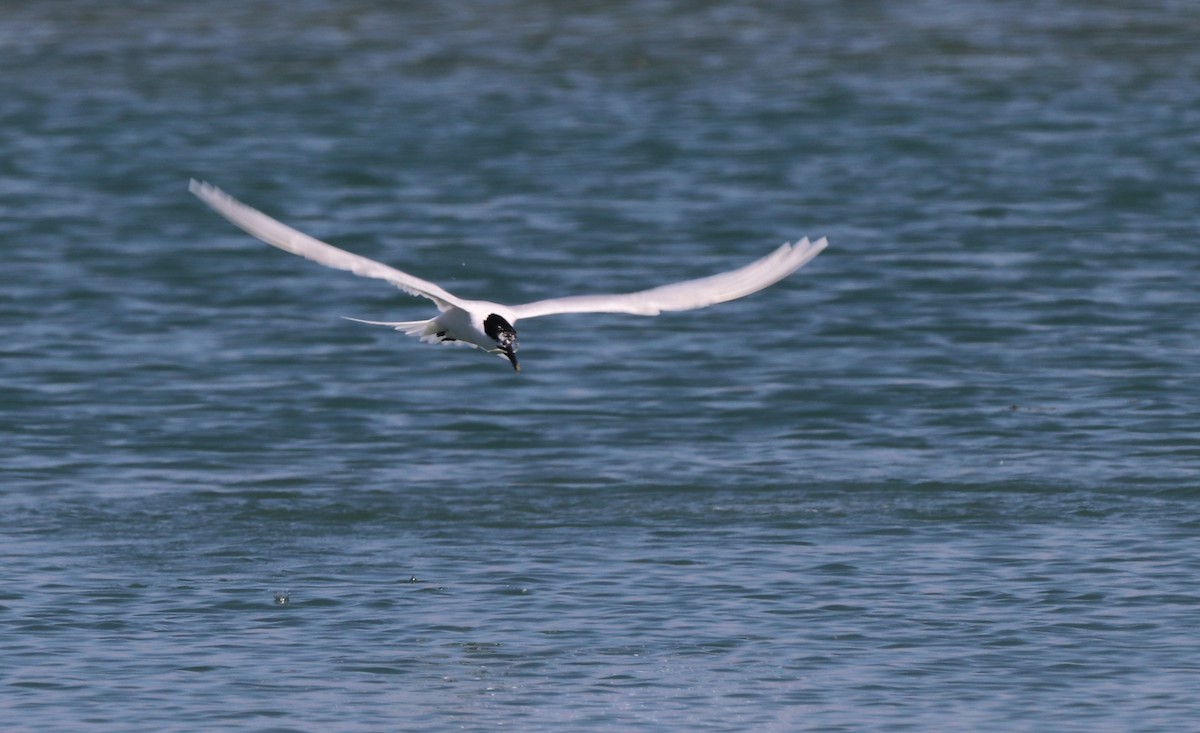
[489, 326]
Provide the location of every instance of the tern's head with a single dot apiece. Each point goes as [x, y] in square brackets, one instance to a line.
[505, 336]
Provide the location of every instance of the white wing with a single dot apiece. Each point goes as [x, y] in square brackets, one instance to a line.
[284, 237]
[689, 294]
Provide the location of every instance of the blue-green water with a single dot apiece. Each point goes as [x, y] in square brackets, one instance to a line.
[947, 477]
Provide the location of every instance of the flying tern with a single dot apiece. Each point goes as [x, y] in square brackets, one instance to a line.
[489, 326]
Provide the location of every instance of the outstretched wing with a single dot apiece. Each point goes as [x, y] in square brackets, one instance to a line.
[284, 237]
[689, 294]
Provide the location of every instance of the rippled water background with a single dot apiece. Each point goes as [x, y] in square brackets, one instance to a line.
[944, 478]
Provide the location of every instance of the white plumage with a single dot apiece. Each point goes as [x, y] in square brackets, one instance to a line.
[489, 326]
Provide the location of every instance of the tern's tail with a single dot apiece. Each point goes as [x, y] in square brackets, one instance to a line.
[424, 330]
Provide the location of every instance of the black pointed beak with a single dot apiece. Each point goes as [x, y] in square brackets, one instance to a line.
[512, 357]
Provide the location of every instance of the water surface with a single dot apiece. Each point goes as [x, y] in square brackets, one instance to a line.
[945, 477]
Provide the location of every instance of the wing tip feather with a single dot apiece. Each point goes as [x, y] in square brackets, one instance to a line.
[204, 189]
